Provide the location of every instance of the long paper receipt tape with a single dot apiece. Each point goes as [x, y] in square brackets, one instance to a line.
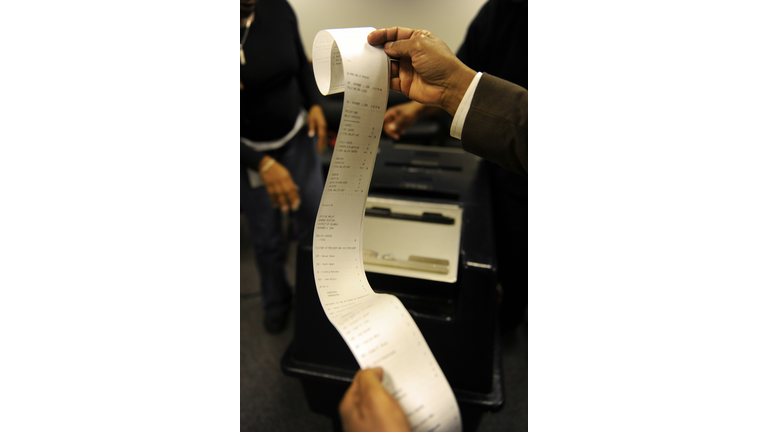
[376, 327]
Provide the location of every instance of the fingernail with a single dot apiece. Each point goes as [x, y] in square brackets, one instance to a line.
[284, 209]
[311, 133]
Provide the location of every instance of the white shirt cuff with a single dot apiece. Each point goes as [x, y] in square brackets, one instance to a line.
[461, 113]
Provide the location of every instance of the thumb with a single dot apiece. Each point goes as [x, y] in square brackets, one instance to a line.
[370, 380]
[379, 372]
[398, 49]
[407, 42]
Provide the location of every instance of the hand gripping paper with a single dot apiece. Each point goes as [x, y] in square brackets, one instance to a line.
[377, 327]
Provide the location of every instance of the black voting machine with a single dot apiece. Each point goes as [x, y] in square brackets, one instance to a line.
[458, 320]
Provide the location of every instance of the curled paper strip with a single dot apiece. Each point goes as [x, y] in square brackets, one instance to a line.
[377, 328]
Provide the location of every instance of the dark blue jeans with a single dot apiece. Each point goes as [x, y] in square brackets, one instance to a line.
[264, 221]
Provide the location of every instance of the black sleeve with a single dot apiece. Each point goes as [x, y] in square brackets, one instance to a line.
[306, 76]
[471, 51]
[497, 41]
[250, 157]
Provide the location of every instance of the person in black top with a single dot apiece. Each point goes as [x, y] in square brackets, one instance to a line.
[496, 43]
[282, 130]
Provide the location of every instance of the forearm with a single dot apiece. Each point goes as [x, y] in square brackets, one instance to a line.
[422, 110]
[456, 88]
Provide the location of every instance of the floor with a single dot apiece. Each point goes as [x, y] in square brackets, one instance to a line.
[272, 401]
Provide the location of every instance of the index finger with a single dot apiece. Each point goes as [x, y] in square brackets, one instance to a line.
[378, 37]
[293, 198]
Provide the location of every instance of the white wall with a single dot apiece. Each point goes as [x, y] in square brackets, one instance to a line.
[447, 19]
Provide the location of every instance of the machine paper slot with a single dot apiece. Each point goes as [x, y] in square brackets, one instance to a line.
[414, 262]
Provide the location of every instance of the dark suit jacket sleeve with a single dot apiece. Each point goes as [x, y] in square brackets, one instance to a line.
[496, 127]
